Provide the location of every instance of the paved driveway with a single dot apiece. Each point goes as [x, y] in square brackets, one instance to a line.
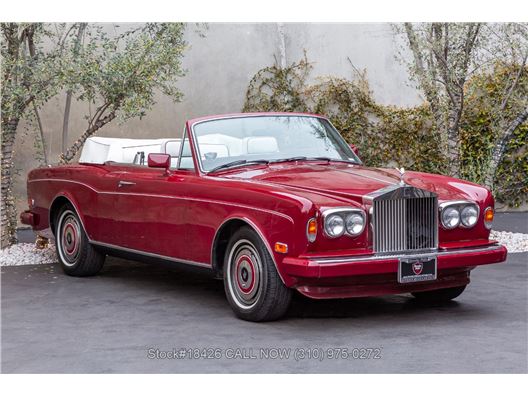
[118, 321]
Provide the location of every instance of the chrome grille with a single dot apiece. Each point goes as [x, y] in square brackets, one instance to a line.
[402, 224]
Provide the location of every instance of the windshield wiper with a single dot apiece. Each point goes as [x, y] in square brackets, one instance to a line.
[238, 163]
[303, 158]
[291, 159]
[332, 160]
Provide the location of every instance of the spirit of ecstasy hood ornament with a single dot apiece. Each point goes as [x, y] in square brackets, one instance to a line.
[402, 172]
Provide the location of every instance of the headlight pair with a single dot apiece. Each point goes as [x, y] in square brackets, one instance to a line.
[340, 221]
[459, 213]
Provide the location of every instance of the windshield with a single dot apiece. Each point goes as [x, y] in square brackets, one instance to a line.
[264, 139]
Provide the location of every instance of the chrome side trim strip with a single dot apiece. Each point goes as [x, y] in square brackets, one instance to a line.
[353, 259]
[170, 197]
[154, 255]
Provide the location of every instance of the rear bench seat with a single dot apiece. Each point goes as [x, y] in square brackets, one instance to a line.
[98, 150]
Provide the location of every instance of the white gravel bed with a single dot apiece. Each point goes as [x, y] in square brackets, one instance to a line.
[515, 242]
[28, 254]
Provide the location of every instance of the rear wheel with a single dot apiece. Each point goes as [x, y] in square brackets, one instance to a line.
[76, 255]
[252, 285]
[440, 295]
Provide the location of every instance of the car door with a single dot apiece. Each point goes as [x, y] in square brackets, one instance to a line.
[107, 228]
[152, 209]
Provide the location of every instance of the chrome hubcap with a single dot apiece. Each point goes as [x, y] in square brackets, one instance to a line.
[243, 275]
[69, 238]
[245, 271]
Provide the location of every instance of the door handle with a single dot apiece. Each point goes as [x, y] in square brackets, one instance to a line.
[123, 183]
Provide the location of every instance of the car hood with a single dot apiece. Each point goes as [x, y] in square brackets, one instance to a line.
[355, 181]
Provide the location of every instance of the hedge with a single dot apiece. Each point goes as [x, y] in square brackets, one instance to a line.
[394, 136]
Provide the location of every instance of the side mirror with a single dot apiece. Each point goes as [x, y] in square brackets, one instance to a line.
[354, 149]
[159, 161]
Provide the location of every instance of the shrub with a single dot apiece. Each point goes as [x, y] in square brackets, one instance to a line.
[394, 136]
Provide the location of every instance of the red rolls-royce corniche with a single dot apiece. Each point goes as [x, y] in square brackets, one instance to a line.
[272, 203]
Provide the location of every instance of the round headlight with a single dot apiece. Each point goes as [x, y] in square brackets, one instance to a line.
[354, 224]
[450, 217]
[334, 226]
[469, 216]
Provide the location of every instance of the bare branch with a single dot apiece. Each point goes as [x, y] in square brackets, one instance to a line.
[504, 102]
[41, 132]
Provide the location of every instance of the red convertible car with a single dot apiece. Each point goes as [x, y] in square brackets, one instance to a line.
[272, 202]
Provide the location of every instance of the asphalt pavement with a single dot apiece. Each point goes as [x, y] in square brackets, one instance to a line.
[137, 318]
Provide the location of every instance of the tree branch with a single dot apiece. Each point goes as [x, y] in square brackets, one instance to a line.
[500, 147]
[41, 131]
[67, 106]
[504, 102]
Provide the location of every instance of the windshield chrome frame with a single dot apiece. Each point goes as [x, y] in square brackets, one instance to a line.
[197, 148]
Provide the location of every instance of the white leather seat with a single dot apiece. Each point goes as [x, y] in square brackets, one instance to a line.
[238, 147]
[98, 150]
[219, 149]
[233, 145]
[261, 145]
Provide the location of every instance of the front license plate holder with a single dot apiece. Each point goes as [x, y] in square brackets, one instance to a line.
[417, 269]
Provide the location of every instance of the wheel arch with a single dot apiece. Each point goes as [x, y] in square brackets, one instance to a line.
[58, 202]
[223, 235]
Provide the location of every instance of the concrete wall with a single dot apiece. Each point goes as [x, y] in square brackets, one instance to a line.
[219, 69]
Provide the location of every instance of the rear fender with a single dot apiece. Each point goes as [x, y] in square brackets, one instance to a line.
[60, 200]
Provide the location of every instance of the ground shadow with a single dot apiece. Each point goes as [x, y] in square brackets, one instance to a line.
[186, 280]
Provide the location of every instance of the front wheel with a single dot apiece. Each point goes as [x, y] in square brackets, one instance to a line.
[252, 285]
[76, 255]
[440, 295]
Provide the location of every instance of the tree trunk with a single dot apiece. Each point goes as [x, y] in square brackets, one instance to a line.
[66, 121]
[500, 147]
[67, 106]
[8, 207]
[70, 154]
[41, 132]
[453, 154]
[426, 73]
[453, 133]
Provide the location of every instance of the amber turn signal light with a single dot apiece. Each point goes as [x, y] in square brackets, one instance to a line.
[311, 230]
[488, 217]
[281, 247]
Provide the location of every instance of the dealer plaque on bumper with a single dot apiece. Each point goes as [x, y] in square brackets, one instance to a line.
[417, 269]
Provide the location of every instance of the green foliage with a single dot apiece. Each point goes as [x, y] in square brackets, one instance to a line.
[404, 137]
[29, 74]
[121, 75]
[392, 136]
[348, 104]
[407, 137]
[125, 72]
[512, 175]
[481, 123]
[274, 87]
